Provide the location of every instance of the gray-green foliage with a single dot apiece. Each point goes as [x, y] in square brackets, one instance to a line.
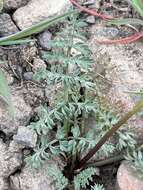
[71, 69]
[81, 180]
[97, 187]
[58, 178]
[136, 158]
[84, 178]
[69, 103]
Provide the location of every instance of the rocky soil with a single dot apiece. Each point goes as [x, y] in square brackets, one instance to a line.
[120, 69]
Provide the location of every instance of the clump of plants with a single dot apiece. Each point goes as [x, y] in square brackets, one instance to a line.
[77, 100]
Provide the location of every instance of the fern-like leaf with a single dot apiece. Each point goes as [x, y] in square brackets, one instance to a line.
[84, 178]
[58, 178]
[97, 187]
[136, 157]
[45, 123]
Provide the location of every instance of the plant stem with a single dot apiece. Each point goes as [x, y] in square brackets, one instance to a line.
[107, 161]
[66, 90]
[111, 131]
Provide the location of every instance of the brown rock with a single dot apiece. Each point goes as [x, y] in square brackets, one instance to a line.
[128, 178]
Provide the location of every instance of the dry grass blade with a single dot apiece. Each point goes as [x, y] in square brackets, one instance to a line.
[89, 11]
[126, 40]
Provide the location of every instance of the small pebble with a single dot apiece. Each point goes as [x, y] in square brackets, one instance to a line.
[90, 2]
[103, 33]
[44, 39]
[28, 75]
[90, 20]
[25, 137]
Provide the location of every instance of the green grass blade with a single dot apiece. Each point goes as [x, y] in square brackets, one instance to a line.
[138, 5]
[5, 96]
[36, 28]
[134, 93]
[15, 42]
[4, 90]
[1, 5]
[131, 21]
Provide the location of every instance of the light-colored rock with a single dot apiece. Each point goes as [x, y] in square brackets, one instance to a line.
[90, 20]
[15, 148]
[14, 182]
[7, 26]
[28, 75]
[44, 39]
[30, 180]
[3, 184]
[10, 161]
[128, 178]
[37, 10]
[14, 4]
[90, 2]
[38, 63]
[101, 32]
[25, 137]
[33, 179]
[22, 113]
